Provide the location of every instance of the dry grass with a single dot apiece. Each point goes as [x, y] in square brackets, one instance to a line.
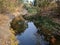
[6, 36]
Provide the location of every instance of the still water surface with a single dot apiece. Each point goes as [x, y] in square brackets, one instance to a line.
[31, 37]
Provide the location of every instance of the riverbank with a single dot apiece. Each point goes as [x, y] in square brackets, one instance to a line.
[6, 35]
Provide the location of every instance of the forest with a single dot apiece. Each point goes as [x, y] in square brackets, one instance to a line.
[29, 22]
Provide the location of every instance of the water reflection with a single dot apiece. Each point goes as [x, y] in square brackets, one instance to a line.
[40, 40]
[31, 37]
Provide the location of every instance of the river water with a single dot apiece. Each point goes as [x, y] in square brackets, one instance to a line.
[31, 37]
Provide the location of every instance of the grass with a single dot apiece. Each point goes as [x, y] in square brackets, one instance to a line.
[12, 38]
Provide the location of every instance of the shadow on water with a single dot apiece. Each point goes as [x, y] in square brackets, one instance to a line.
[31, 37]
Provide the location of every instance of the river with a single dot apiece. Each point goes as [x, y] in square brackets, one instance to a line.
[31, 37]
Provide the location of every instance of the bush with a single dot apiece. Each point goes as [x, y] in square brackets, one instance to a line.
[18, 25]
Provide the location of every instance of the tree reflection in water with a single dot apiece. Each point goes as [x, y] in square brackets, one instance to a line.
[40, 39]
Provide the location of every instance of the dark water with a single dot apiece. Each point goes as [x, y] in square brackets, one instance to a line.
[31, 37]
